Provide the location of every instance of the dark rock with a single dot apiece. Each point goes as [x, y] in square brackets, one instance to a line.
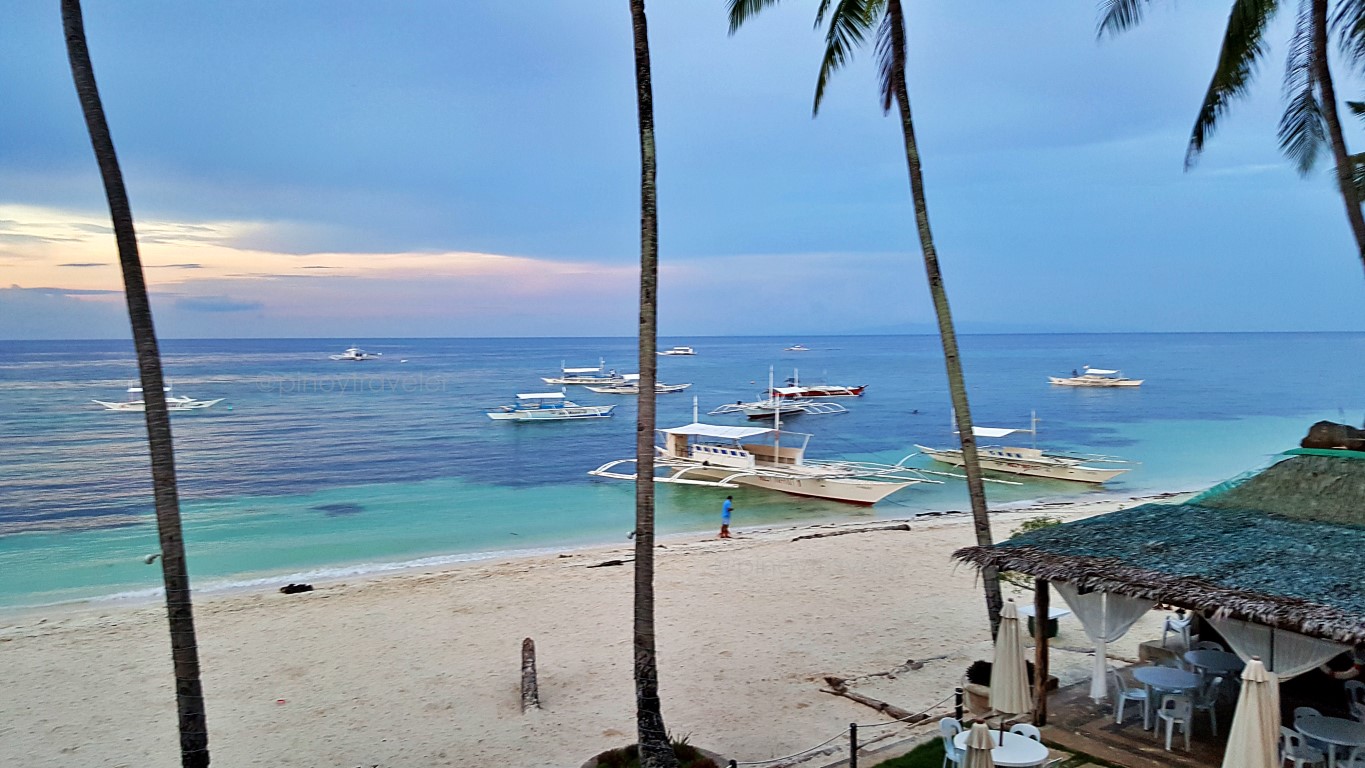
[1328, 434]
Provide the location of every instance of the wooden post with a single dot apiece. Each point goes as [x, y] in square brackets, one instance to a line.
[530, 690]
[1041, 625]
[852, 745]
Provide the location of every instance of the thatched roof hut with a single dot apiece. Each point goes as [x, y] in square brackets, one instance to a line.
[1283, 548]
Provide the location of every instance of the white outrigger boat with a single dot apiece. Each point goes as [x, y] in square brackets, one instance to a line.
[631, 386]
[135, 402]
[595, 375]
[771, 407]
[678, 351]
[548, 406]
[718, 456]
[1032, 462]
[356, 354]
[1095, 377]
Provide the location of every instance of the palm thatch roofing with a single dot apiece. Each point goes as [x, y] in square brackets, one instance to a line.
[1283, 548]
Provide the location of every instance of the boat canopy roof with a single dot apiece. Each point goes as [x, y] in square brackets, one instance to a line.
[697, 429]
[994, 432]
[583, 370]
[541, 396]
[1099, 371]
[139, 389]
[789, 390]
[631, 377]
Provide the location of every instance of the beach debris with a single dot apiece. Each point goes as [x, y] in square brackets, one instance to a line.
[530, 690]
[885, 708]
[901, 527]
[606, 563]
[292, 588]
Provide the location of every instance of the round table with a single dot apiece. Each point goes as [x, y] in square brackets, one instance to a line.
[1166, 678]
[1016, 751]
[1216, 662]
[1332, 730]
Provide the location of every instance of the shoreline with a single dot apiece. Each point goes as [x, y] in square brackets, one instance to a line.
[365, 571]
[421, 668]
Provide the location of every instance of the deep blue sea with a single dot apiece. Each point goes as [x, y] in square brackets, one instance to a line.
[312, 468]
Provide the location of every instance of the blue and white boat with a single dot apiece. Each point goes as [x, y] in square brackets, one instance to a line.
[548, 406]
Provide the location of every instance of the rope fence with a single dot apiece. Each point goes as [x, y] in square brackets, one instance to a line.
[852, 733]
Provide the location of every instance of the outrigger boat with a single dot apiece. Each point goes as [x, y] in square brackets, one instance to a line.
[597, 375]
[356, 354]
[1095, 377]
[795, 389]
[797, 348]
[678, 351]
[136, 403]
[1032, 462]
[631, 386]
[771, 407]
[548, 406]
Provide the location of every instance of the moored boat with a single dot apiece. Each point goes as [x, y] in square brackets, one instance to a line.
[355, 355]
[174, 403]
[678, 351]
[1033, 461]
[797, 348]
[548, 406]
[631, 386]
[585, 375]
[766, 458]
[794, 389]
[771, 407]
[1095, 377]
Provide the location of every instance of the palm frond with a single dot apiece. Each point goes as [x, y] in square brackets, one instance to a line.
[1358, 172]
[890, 51]
[1349, 23]
[741, 11]
[1119, 16]
[1357, 108]
[1243, 46]
[1303, 131]
[849, 23]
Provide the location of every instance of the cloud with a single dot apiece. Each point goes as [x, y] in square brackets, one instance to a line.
[218, 304]
[84, 264]
[177, 266]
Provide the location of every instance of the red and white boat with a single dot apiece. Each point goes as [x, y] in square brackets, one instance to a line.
[794, 389]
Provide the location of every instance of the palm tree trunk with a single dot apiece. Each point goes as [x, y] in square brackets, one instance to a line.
[1344, 165]
[957, 387]
[655, 751]
[194, 742]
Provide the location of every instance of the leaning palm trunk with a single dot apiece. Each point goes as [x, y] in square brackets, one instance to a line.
[655, 751]
[194, 752]
[1345, 167]
[957, 387]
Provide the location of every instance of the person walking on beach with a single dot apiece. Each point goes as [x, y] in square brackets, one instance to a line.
[725, 509]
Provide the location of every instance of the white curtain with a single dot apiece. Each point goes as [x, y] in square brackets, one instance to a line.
[1287, 654]
[1105, 618]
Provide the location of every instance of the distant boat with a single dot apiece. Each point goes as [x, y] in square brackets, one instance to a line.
[356, 354]
[769, 408]
[1033, 462]
[797, 348]
[593, 375]
[174, 404]
[548, 406]
[678, 351]
[1095, 377]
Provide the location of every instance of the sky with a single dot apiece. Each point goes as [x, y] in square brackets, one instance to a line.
[428, 168]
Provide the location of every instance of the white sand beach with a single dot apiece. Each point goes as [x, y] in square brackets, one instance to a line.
[423, 669]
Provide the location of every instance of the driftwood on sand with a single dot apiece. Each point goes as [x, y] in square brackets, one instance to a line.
[837, 689]
[901, 527]
[530, 689]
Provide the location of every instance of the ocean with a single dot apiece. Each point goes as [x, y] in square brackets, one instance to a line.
[312, 468]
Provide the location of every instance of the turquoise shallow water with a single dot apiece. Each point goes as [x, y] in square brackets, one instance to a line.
[313, 468]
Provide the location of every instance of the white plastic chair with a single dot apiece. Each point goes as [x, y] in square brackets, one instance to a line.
[1179, 626]
[1208, 645]
[1355, 692]
[949, 727]
[1294, 747]
[1027, 730]
[1124, 694]
[1207, 698]
[1358, 712]
[1175, 710]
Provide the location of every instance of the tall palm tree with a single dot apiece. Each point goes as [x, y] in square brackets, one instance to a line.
[1310, 119]
[194, 742]
[655, 751]
[850, 23]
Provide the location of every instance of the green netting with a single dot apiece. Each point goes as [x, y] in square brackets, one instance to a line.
[1316, 486]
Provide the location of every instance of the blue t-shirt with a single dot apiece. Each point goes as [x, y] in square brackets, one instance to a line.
[725, 509]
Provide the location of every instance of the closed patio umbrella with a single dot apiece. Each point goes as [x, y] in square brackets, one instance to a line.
[1009, 678]
[1255, 736]
[979, 746]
